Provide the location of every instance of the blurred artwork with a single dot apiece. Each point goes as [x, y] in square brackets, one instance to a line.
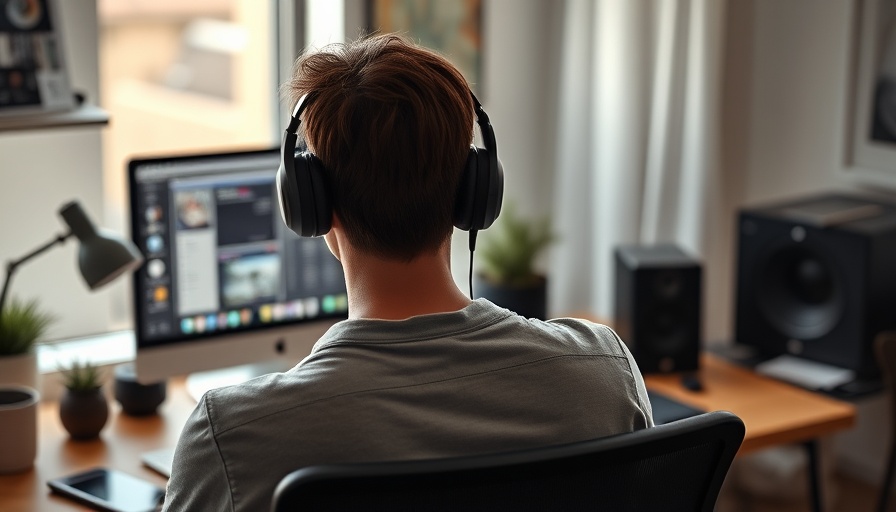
[883, 118]
[870, 150]
[452, 28]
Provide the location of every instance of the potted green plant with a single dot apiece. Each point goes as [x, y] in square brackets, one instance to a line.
[22, 323]
[507, 275]
[83, 408]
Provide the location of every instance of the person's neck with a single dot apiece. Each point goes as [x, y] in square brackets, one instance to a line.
[395, 290]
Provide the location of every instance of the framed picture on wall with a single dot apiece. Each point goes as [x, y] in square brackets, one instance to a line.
[33, 74]
[871, 130]
[452, 28]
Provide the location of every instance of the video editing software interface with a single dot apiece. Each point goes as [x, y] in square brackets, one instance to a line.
[218, 257]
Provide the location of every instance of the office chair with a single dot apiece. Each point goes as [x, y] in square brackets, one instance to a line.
[885, 351]
[676, 466]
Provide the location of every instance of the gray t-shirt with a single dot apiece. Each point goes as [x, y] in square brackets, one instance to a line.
[480, 380]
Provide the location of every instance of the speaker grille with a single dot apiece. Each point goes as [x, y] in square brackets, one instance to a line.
[800, 292]
[658, 306]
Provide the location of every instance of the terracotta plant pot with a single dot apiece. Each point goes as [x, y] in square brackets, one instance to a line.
[84, 412]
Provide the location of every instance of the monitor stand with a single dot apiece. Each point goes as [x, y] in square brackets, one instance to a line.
[198, 383]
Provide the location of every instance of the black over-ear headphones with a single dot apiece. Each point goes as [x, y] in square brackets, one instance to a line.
[306, 204]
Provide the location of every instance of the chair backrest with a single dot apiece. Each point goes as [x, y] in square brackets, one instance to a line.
[676, 466]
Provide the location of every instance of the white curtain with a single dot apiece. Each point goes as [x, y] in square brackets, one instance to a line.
[638, 137]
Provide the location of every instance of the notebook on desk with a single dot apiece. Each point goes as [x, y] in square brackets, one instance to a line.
[666, 410]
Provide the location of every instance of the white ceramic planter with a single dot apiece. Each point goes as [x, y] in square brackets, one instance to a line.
[18, 427]
[20, 369]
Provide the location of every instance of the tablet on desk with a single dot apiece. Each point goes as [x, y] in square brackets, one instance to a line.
[667, 410]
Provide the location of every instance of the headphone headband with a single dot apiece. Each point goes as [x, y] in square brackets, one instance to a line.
[488, 139]
[305, 200]
[294, 121]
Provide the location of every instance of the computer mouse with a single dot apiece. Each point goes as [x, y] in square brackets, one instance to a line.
[691, 382]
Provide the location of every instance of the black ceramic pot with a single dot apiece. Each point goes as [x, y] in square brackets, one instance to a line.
[137, 399]
[84, 412]
[528, 301]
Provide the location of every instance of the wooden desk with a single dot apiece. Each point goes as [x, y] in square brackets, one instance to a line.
[120, 445]
[774, 413]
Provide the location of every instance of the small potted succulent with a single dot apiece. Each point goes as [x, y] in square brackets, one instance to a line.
[508, 276]
[21, 325]
[83, 408]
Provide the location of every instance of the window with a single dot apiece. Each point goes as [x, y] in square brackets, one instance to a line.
[184, 76]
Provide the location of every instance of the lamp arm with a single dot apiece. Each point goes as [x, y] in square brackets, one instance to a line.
[12, 265]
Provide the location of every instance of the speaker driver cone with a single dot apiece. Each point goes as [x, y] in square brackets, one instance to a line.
[800, 293]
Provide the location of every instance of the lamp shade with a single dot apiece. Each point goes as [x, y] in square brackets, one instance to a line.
[102, 256]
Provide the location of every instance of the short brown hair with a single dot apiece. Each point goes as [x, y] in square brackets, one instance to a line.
[392, 123]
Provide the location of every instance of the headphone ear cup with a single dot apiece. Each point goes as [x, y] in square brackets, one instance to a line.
[494, 196]
[303, 193]
[302, 187]
[480, 193]
[321, 203]
[489, 190]
[464, 203]
[288, 196]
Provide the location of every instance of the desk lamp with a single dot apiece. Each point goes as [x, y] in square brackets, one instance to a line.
[102, 255]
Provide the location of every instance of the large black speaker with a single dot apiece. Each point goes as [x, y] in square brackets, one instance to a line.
[816, 278]
[658, 306]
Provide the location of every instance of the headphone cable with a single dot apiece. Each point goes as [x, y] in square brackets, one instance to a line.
[473, 233]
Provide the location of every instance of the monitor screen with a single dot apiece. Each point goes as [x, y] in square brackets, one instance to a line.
[225, 282]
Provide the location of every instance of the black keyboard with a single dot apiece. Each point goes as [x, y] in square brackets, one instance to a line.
[666, 410]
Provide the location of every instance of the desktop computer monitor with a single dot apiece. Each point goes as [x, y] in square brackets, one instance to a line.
[225, 282]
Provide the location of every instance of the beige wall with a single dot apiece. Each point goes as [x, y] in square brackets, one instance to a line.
[798, 88]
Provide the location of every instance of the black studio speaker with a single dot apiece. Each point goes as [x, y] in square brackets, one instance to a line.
[658, 306]
[816, 278]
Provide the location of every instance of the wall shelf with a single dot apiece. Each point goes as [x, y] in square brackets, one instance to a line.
[82, 116]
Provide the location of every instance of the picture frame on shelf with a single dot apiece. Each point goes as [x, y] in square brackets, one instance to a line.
[34, 75]
[453, 29]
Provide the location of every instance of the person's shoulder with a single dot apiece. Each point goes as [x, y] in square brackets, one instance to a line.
[232, 406]
[588, 335]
